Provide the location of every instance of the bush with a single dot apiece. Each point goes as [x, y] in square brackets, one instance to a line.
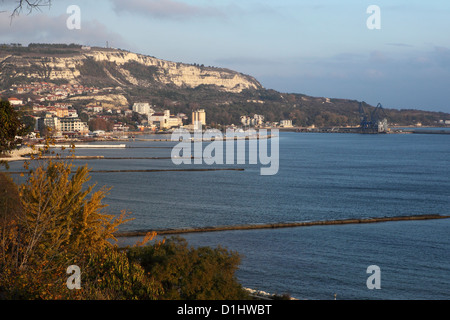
[111, 275]
[191, 274]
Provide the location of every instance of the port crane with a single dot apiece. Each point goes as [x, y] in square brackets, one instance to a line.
[373, 122]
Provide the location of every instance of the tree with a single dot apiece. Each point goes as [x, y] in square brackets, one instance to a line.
[10, 127]
[53, 225]
[29, 123]
[100, 124]
[191, 273]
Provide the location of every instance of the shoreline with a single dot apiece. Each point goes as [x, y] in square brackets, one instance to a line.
[18, 155]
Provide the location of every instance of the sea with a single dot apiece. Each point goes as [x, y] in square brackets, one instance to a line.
[321, 176]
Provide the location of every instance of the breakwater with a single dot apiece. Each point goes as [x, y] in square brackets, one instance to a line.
[148, 170]
[209, 139]
[138, 233]
[84, 146]
[108, 158]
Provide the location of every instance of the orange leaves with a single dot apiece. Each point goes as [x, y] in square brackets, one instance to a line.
[148, 237]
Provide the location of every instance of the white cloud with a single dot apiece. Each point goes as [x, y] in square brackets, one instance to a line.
[41, 28]
[166, 9]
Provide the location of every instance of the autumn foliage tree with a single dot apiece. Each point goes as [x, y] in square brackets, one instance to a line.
[57, 222]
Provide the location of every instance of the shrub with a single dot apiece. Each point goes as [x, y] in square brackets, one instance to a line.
[189, 273]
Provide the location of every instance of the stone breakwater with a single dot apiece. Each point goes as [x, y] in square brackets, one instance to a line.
[279, 225]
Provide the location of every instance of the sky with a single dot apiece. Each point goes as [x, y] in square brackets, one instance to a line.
[323, 48]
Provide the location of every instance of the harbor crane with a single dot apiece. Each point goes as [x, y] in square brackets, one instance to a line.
[374, 122]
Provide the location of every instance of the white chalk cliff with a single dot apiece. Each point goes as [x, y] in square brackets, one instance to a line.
[69, 67]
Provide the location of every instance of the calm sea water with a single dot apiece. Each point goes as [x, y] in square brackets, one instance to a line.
[321, 177]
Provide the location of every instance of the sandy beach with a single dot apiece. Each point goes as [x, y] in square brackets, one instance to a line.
[18, 155]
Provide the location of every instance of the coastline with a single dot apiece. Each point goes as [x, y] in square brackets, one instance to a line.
[18, 155]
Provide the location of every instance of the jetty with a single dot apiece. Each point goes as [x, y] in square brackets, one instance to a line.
[84, 146]
[138, 233]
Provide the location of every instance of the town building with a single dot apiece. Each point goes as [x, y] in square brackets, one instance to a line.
[50, 121]
[15, 102]
[198, 118]
[94, 108]
[256, 120]
[286, 123]
[164, 120]
[73, 124]
[143, 108]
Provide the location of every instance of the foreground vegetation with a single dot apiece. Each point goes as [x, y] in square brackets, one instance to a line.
[53, 221]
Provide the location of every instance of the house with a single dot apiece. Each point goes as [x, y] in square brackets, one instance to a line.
[15, 102]
[94, 108]
[120, 127]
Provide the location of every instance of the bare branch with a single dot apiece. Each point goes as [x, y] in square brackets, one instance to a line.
[29, 6]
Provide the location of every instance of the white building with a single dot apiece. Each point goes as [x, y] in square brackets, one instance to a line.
[72, 124]
[286, 123]
[94, 108]
[72, 113]
[256, 120]
[198, 119]
[143, 108]
[164, 120]
[15, 102]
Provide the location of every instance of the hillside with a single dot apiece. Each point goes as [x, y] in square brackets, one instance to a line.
[225, 94]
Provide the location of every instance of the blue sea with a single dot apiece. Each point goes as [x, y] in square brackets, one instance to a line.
[322, 176]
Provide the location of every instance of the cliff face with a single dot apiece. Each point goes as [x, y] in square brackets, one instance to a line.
[121, 68]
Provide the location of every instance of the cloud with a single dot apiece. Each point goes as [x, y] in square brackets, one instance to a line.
[166, 9]
[41, 28]
[412, 79]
